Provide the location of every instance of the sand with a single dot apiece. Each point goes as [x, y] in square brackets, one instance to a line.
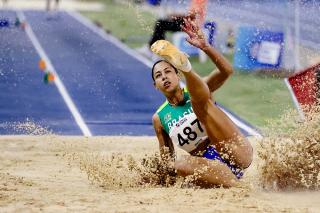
[47, 173]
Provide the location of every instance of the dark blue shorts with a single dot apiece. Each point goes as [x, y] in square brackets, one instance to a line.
[212, 154]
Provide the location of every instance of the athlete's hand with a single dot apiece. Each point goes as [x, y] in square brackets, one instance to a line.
[175, 16]
[196, 36]
[192, 15]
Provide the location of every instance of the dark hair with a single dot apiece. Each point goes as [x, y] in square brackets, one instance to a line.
[157, 62]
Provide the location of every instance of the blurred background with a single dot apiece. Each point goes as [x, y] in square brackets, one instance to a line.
[267, 42]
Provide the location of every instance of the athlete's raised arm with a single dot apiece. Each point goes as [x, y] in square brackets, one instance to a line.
[165, 144]
[197, 39]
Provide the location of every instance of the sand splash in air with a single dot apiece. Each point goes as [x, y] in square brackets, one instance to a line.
[144, 25]
[28, 127]
[290, 155]
[120, 170]
[288, 158]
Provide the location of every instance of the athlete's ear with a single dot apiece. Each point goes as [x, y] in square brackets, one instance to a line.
[155, 86]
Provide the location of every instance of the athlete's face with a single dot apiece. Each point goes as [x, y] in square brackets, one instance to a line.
[165, 77]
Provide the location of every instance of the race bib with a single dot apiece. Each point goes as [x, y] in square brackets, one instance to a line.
[188, 133]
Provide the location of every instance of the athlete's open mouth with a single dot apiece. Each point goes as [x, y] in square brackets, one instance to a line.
[166, 84]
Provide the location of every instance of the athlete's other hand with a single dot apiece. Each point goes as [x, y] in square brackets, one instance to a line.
[196, 36]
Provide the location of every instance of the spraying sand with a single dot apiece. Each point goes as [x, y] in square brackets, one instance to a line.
[103, 174]
[44, 172]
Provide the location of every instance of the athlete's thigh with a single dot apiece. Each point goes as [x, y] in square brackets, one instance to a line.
[224, 134]
[218, 125]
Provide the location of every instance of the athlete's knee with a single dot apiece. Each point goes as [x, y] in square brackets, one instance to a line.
[248, 160]
[246, 156]
[181, 168]
[178, 165]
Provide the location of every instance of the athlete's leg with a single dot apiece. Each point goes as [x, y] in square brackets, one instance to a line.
[226, 137]
[209, 172]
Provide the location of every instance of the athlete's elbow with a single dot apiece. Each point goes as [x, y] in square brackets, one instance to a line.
[228, 72]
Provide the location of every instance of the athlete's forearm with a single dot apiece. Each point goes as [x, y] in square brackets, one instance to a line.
[219, 60]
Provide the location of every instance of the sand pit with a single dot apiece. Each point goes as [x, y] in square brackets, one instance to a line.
[47, 173]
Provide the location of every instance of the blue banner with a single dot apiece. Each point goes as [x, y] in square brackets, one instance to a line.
[258, 49]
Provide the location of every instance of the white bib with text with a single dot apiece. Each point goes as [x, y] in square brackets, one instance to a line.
[188, 132]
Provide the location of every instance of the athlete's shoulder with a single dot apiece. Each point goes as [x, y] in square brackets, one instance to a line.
[155, 118]
[157, 123]
[162, 106]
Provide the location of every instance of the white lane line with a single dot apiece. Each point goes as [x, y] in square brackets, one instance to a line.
[242, 125]
[61, 88]
[149, 63]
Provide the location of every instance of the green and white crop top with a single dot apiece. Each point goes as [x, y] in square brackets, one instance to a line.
[182, 124]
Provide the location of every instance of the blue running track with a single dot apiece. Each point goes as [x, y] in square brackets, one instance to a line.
[111, 88]
[23, 95]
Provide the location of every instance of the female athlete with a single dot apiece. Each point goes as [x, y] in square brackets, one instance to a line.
[189, 118]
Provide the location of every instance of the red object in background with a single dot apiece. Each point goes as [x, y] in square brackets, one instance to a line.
[306, 85]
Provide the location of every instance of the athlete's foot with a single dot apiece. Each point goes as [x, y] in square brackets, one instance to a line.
[172, 54]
